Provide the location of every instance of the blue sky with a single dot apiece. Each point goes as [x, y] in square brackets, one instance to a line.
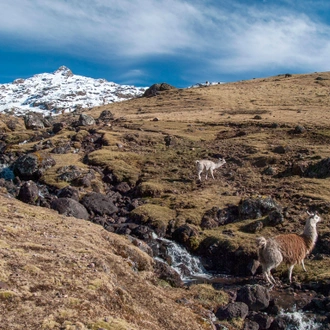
[142, 42]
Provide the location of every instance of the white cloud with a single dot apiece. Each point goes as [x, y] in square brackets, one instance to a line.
[227, 37]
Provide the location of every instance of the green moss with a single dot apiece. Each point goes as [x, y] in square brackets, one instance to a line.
[122, 171]
[156, 215]
[150, 189]
[5, 295]
[80, 135]
[15, 138]
[111, 324]
[208, 296]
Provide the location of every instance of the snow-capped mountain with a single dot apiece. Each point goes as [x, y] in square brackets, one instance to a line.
[61, 91]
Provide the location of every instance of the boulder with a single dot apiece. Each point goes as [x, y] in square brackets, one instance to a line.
[35, 121]
[156, 88]
[98, 204]
[28, 192]
[254, 208]
[70, 208]
[168, 274]
[106, 116]
[69, 192]
[32, 166]
[255, 296]
[86, 120]
[232, 311]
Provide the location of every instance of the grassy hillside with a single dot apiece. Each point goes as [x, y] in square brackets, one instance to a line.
[65, 273]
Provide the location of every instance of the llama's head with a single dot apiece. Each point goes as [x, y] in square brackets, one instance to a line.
[314, 218]
[222, 160]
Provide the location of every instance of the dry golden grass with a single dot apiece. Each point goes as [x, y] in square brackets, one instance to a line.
[59, 272]
[64, 273]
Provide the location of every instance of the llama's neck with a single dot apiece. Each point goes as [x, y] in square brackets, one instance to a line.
[217, 165]
[310, 235]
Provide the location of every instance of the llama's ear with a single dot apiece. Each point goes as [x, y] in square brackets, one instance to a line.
[309, 213]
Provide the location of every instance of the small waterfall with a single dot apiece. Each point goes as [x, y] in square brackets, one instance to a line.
[298, 320]
[188, 266]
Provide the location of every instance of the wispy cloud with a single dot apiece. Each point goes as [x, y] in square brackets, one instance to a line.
[226, 36]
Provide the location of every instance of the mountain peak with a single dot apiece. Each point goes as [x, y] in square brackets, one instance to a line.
[52, 93]
[64, 71]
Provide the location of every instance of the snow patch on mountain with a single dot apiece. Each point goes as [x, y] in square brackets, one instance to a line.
[61, 91]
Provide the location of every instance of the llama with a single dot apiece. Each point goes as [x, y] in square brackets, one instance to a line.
[208, 165]
[289, 248]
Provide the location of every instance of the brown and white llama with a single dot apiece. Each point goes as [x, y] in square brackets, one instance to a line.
[208, 165]
[289, 248]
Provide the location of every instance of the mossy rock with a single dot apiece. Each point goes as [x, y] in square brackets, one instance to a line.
[123, 171]
[155, 215]
[103, 156]
[80, 135]
[15, 138]
[111, 324]
[150, 189]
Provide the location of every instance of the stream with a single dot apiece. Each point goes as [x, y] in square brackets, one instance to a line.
[191, 271]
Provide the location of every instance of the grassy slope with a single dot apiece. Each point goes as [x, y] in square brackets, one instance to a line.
[61, 271]
[58, 272]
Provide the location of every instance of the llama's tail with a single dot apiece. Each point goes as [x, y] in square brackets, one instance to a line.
[197, 161]
[261, 242]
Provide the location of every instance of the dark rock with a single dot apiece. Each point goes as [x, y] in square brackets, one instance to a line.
[86, 120]
[217, 217]
[70, 208]
[166, 273]
[28, 192]
[69, 192]
[254, 208]
[253, 227]
[156, 88]
[183, 234]
[299, 129]
[62, 149]
[262, 319]
[68, 173]
[32, 166]
[123, 187]
[57, 127]
[281, 149]
[43, 145]
[106, 116]
[269, 171]
[255, 296]
[275, 218]
[319, 170]
[169, 140]
[85, 180]
[99, 204]
[232, 311]
[250, 325]
[35, 121]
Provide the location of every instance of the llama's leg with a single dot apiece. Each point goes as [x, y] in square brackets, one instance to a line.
[303, 265]
[199, 175]
[269, 278]
[206, 171]
[212, 174]
[290, 273]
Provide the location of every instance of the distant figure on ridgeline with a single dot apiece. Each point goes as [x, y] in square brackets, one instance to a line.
[208, 165]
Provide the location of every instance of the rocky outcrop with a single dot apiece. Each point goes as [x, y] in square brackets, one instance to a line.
[156, 88]
[32, 166]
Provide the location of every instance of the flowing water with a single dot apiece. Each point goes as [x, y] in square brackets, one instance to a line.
[191, 270]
